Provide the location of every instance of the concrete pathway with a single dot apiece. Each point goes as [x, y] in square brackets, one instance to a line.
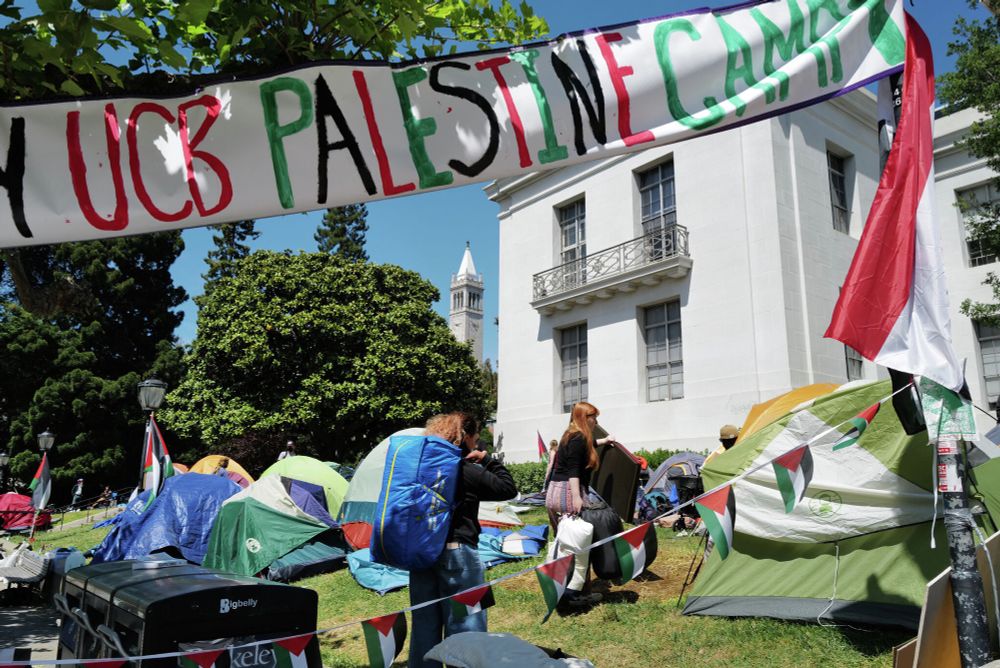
[29, 627]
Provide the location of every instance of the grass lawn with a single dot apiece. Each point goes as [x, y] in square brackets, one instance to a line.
[638, 624]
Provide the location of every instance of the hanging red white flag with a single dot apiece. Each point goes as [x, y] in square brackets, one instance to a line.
[893, 307]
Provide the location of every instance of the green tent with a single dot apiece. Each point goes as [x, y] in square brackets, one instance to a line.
[318, 473]
[856, 548]
[257, 526]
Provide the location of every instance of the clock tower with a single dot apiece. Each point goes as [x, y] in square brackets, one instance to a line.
[466, 314]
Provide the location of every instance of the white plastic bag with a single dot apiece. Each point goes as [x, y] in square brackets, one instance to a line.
[573, 536]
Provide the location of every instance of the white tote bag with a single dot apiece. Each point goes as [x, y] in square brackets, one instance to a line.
[573, 536]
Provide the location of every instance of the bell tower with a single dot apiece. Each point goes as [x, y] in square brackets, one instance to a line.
[466, 313]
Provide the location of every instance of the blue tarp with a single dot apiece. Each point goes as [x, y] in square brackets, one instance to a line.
[180, 517]
[383, 579]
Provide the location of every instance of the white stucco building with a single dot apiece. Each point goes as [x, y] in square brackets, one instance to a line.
[465, 315]
[676, 287]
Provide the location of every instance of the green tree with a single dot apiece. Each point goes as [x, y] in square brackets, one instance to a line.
[975, 83]
[340, 353]
[342, 231]
[230, 247]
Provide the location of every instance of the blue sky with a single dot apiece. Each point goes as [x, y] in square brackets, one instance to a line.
[427, 233]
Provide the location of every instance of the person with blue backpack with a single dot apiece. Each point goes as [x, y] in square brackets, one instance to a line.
[479, 478]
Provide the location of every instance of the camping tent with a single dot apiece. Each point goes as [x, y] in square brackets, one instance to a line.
[259, 525]
[316, 472]
[660, 479]
[766, 412]
[234, 471]
[16, 513]
[358, 511]
[855, 549]
[178, 520]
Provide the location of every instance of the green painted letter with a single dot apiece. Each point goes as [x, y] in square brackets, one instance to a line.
[552, 151]
[661, 40]
[276, 133]
[416, 130]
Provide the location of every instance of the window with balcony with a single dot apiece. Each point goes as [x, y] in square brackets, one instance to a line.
[664, 353]
[989, 357]
[855, 363]
[972, 202]
[838, 166]
[573, 356]
[658, 208]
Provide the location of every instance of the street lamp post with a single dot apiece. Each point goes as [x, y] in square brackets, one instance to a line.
[4, 460]
[150, 392]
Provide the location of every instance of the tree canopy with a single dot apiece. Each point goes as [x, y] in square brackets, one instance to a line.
[342, 231]
[335, 353]
[975, 83]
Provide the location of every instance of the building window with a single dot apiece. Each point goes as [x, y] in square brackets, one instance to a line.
[573, 355]
[972, 203]
[658, 208]
[573, 241]
[664, 354]
[989, 355]
[855, 364]
[838, 191]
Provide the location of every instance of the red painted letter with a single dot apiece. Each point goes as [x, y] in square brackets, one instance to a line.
[134, 168]
[384, 172]
[78, 171]
[212, 106]
[493, 65]
[618, 75]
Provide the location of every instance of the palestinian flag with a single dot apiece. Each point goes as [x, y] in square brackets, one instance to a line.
[472, 601]
[793, 471]
[291, 652]
[718, 512]
[384, 637]
[157, 465]
[542, 452]
[41, 485]
[858, 424]
[553, 577]
[200, 659]
[631, 550]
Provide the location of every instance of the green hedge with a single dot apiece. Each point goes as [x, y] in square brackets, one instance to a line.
[528, 476]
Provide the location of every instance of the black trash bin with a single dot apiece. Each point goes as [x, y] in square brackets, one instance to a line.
[175, 607]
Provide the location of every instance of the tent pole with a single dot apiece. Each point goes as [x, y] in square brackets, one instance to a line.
[966, 581]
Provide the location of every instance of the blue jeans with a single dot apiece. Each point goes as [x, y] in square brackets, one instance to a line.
[457, 569]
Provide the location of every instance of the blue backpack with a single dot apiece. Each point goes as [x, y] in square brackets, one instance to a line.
[415, 503]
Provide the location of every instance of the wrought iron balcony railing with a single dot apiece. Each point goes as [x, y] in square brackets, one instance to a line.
[659, 246]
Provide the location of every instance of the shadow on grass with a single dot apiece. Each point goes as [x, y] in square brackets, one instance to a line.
[874, 641]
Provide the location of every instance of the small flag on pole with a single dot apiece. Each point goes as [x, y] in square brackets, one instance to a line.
[157, 465]
[542, 452]
[631, 550]
[384, 638]
[552, 578]
[858, 424]
[41, 485]
[793, 471]
[471, 602]
[718, 511]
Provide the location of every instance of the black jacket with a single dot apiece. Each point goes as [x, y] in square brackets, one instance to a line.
[488, 481]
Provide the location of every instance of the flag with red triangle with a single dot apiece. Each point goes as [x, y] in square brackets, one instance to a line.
[472, 601]
[858, 424]
[718, 512]
[157, 465]
[384, 637]
[41, 485]
[631, 550]
[291, 652]
[552, 578]
[204, 659]
[793, 471]
[542, 452]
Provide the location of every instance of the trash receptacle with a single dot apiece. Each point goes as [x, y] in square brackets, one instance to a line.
[152, 610]
[61, 560]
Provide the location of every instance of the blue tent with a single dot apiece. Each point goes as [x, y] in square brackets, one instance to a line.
[180, 518]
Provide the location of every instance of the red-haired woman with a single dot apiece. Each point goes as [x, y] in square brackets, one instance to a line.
[576, 459]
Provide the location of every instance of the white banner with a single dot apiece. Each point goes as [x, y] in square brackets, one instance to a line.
[332, 134]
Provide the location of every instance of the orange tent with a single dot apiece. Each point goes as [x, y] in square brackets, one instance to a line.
[765, 413]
